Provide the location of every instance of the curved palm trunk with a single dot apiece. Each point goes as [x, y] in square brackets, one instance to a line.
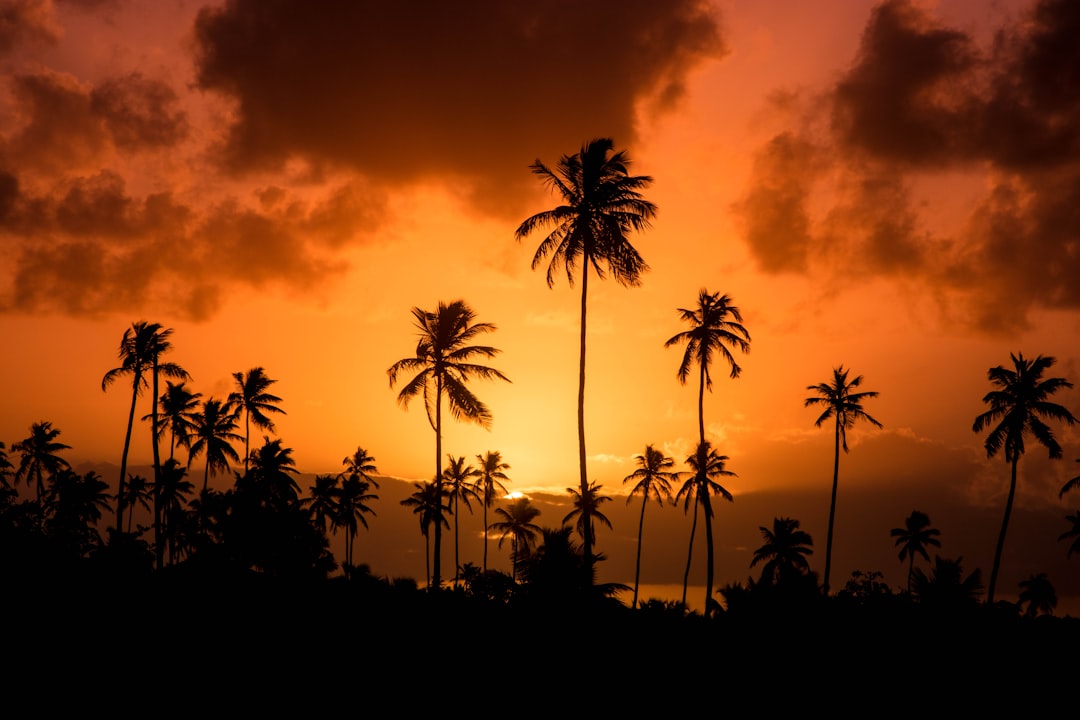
[159, 545]
[706, 510]
[703, 485]
[1001, 536]
[832, 508]
[586, 517]
[124, 457]
[637, 564]
[457, 561]
[436, 576]
[485, 528]
[690, 552]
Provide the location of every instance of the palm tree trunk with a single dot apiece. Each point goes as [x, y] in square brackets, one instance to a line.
[690, 552]
[586, 519]
[486, 503]
[124, 457]
[457, 561]
[706, 510]
[832, 508]
[436, 577]
[637, 564]
[159, 545]
[1001, 536]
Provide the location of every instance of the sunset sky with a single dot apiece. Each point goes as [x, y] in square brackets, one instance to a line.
[888, 186]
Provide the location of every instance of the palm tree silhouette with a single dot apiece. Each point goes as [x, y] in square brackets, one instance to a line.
[141, 348]
[253, 399]
[1019, 406]
[361, 466]
[698, 489]
[784, 551]
[844, 405]
[5, 468]
[178, 405]
[139, 491]
[490, 475]
[601, 205]
[517, 524]
[458, 490]
[351, 510]
[321, 500]
[946, 586]
[1072, 533]
[443, 364]
[74, 505]
[270, 476]
[38, 458]
[427, 502]
[914, 539]
[653, 478]
[1070, 485]
[586, 504]
[213, 432]
[174, 494]
[1037, 596]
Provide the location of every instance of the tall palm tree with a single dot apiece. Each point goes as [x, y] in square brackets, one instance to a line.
[1037, 596]
[443, 364]
[351, 508]
[587, 504]
[1019, 407]
[38, 458]
[844, 405]
[427, 502]
[517, 524]
[698, 489]
[1072, 533]
[652, 480]
[139, 491]
[490, 475]
[213, 432]
[253, 399]
[601, 205]
[458, 490]
[141, 348]
[1070, 484]
[178, 405]
[784, 551]
[914, 539]
[360, 465]
[322, 499]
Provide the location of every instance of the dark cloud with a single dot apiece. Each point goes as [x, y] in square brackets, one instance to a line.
[60, 131]
[88, 247]
[405, 92]
[140, 112]
[923, 101]
[26, 21]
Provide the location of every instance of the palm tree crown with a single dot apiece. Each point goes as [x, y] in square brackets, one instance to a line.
[1019, 406]
[443, 364]
[914, 539]
[517, 524]
[490, 476]
[601, 206]
[844, 405]
[38, 458]
[653, 478]
[253, 399]
[214, 432]
[784, 551]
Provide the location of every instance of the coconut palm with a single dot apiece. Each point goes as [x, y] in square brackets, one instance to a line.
[427, 502]
[1070, 485]
[443, 365]
[844, 405]
[360, 465]
[652, 480]
[271, 475]
[74, 505]
[252, 398]
[322, 496]
[38, 458]
[517, 524]
[784, 551]
[1019, 407]
[175, 493]
[351, 509]
[584, 505]
[1072, 533]
[458, 490]
[914, 539]
[141, 348]
[601, 205]
[213, 432]
[178, 405]
[139, 491]
[490, 475]
[699, 489]
[946, 586]
[1037, 596]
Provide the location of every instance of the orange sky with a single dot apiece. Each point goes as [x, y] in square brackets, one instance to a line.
[891, 187]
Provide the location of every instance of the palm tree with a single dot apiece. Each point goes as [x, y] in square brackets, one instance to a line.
[74, 506]
[443, 364]
[5, 468]
[1070, 485]
[653, 478]
[490, 475]
[601, 205]
[517, 524]
[178, 406]
[350, 510]
[322, 499]
[174, 494]
[946, 586]
[360, 465]
[214, 431]
[251, 397]
[914, 539]
[1072, 533]
[844, 405]
[139, 491]
[1019, 406]
[270, 477]
[586, 504]
[784, 551]
[38, 457]
[698, 489]
[458, 490]
[1037, 593]
[141, 348]
[427, 502]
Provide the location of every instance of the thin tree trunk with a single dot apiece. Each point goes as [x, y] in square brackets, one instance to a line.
[832, 507]
[159, 545]
[586, 518]
[1001, 536]
[124, 456]
[457, 560]
[486, 502]
[436, 577]
[637, 564]
[690, 552]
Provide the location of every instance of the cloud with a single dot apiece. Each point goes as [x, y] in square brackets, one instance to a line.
[849, 194]
[24, 22]
[403, 93]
